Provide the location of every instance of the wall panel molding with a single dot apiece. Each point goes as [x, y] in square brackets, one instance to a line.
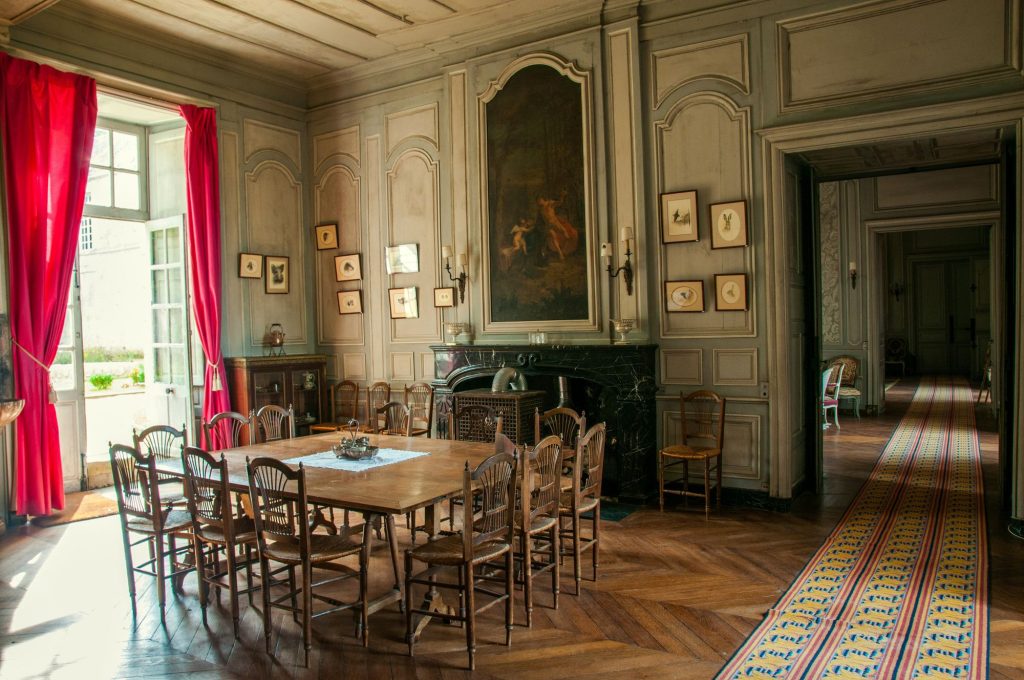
[259, 136]
[342, 143]
[353, 366]
[682, 366]
[741, 457]
[734, 366]
[726, 60]
[418, 123]
[336, 198]
[402, 366]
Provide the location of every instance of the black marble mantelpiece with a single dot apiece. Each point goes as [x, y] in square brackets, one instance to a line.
[616, 384]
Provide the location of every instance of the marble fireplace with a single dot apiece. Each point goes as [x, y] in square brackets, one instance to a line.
[612, 383]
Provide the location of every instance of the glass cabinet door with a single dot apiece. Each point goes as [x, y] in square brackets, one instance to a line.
[306, 396]
[268, 388]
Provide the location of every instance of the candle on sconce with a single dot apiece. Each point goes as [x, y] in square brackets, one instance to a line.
[606, 250]
[853, 266]
[446, 252]
[462, 259]
[625, 234]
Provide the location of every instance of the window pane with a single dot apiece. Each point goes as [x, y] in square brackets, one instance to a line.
[177, 366]
[158, 247]
[97, 190]
[177, 326]
[173, 245]
[161, 332]
[62, 374]
[126, 190]
[160, 286]
[67, 335]
[126, 151]
[101, 147]
[162, 359]
[175, 294]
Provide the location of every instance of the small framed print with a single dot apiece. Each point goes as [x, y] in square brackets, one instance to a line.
[731, 292]
[326, 236]
[349, 302]
[444, 297]
[250, 265]
[679, 217]
[729, 225]
[403, 259]
[277, 274]
[346, 268]
[684, 296]
[404, 303]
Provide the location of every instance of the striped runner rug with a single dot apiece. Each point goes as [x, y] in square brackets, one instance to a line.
[900, 587]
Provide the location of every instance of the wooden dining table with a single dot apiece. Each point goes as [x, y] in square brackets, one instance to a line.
[394, 489]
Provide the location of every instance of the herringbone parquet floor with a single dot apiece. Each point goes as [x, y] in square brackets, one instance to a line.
[675, 596]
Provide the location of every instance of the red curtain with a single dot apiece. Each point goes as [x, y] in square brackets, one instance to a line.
[47, 121]
[201, 174]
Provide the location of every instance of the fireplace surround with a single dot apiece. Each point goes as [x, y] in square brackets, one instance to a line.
[614, 384]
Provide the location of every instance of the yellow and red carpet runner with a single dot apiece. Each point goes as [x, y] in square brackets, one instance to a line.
[900, 587]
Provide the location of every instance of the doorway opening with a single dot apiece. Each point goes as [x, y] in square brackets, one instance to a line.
[124, 357]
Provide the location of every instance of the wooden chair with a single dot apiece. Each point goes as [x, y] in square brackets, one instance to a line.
[537, 517]
[229, 426]
[584, 497]
[394, 418]
[145, 519]
[474, 423]
[562, 422]
[275, 422]
[830, 395]
[481, 541]
[344, 407]
[419, 397]
[848, 381]
[216, 529]
[702, 422]
[279, 497]
[164, 442]
[377, 394]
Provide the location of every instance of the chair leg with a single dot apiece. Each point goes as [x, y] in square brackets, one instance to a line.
[470, 615]
[265, 589]
[294, 593]
[661, 483]
[856, 407]
[525, 551]
[248, 572]
[409, 636]
[307, 609]
[129, 565]
[718, 475]
[229, 553]
[596, 533]
[204, 586]
[576, 567]
[392, 536]
[509, 591]
[554, 564]
[161, 591]
[707, 488]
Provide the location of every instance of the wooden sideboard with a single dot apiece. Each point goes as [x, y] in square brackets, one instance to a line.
[299, 381]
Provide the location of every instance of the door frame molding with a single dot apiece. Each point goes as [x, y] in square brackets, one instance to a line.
[776, 143]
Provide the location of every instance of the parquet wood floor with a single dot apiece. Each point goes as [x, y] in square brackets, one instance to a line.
[675, 596]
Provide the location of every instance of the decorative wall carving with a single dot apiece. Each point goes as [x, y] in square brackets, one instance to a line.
[831, 266]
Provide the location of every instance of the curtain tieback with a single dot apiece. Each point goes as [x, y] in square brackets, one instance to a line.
[215, 382]
[49, 383]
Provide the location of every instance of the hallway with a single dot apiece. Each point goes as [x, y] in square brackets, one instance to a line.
[676, 596]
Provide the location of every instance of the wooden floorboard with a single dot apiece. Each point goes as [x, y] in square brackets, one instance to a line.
[676, 595]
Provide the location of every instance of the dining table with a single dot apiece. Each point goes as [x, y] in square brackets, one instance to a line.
[409, 473]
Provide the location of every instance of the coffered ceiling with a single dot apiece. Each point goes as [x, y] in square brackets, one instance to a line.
[304, 39]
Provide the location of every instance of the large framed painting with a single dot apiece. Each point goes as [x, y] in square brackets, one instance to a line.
[537, 163]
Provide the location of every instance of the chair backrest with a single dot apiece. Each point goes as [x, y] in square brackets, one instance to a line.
[393, 418]
[541, 480]
[503, 444]
[162, 441]
[224, 430]
[826, 380]
[494, 484]
[131, 470]
[836, 380]
[377, 394]
[702, 417]
[474, 423]
[851, 369]
[279, 501]
[419, 397]
[275, 422]
[207, 491]
[588, 470]
[345, 402]
[563, 422]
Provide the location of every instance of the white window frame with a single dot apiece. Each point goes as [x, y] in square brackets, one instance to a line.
[142, 214]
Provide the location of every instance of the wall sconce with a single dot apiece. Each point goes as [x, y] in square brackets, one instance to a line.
[896, 290]
[853, 275]
[446, 253]
[626, 235]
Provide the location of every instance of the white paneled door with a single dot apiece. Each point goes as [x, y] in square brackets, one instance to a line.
[67, 376]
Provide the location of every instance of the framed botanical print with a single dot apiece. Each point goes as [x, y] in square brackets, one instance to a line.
[349, 302]
[346, 268]
[684, 296]
[729, 225]
[679, 217]
[404, 303]
[731, 292]
[444, 297]
[277, 274]
[250, 265]
[326, 236]
[403, 259]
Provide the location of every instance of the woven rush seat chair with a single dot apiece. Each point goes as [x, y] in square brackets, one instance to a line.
[702, 421]
[419, 397]
[583, 497]
[147, 520]
[274, 423]
[536, 518]
[377, 394]
[483, 540]
[344, 407]
[227, 429]
[279, 503]
[164, 442]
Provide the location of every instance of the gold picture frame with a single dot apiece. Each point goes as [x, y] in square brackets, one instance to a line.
[326, 236]
[350, 302]
[731, 293]
[347, 268]
[679, 223]
[684, 296]
[404, 302]
[729, 225]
